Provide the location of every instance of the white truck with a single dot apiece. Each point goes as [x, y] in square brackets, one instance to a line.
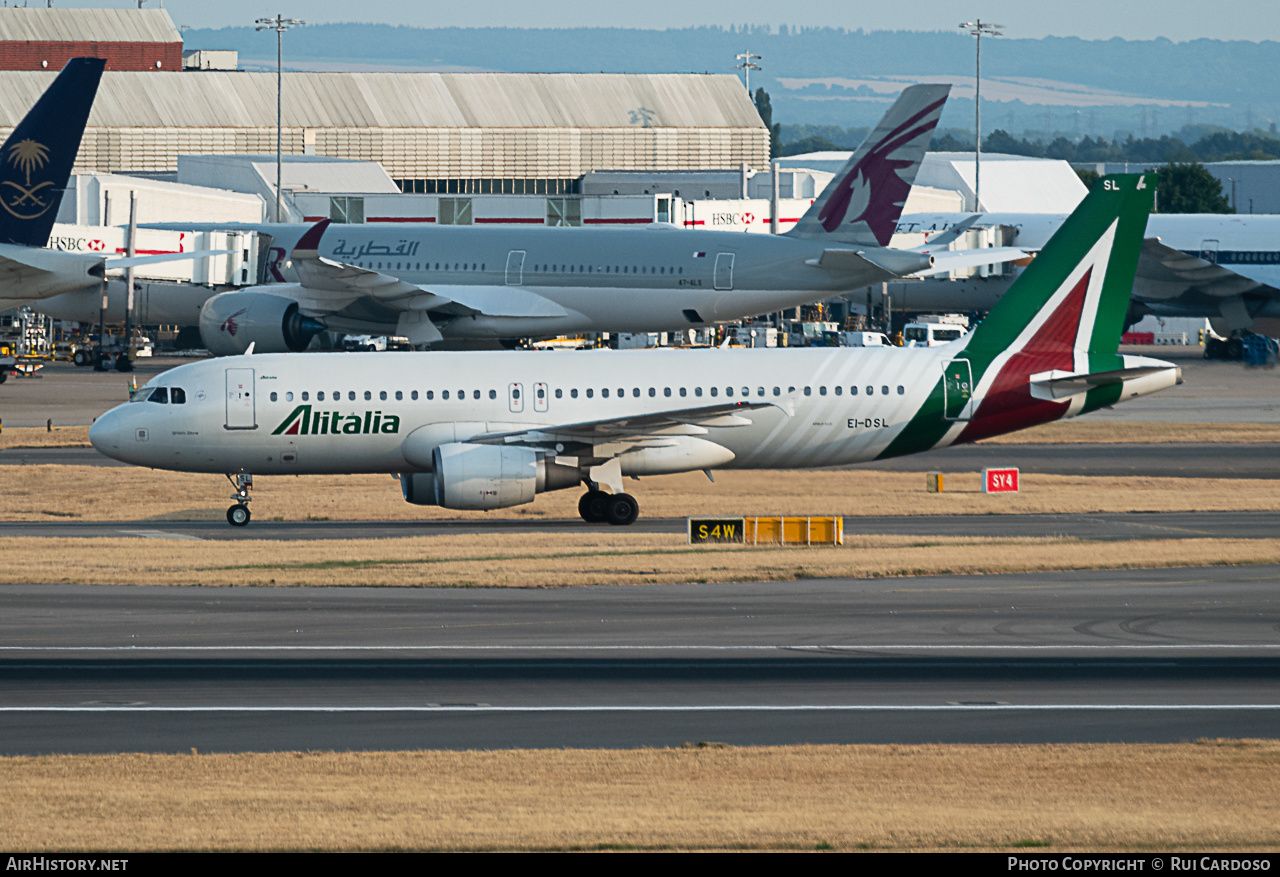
[932, 330]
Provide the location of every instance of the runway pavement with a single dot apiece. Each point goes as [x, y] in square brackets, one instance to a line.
[1099, 526]
[1138, 656]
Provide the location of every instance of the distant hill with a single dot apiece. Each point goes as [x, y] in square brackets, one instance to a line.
[831, 76]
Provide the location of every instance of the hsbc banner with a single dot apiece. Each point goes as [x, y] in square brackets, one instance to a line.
[108, 241]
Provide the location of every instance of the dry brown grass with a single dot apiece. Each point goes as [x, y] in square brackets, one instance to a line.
[132, 494]
[1216, 795]
[591, 557]
[38, 437]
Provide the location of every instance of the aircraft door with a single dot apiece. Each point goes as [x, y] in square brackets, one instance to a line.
[540, 395]
[1209, 250]
[515, 395]
[724, 271]
[241, 411]
[957, 390]
[515, 267]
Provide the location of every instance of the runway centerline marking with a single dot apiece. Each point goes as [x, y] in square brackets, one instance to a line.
[834, 647]
[621, 708]
[162, 534]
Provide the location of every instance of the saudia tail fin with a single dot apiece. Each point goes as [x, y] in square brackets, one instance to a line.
[863, 203]
[1049, 348]
[36, 160]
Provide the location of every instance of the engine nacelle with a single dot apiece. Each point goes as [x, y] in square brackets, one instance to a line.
[419, 488]
[230, 322]
[475, 477]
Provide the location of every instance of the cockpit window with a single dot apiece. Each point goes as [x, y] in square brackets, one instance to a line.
[177, 396]
[159, 394]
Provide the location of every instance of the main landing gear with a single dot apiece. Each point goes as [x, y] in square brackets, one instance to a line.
[598, 507]
[238, 515]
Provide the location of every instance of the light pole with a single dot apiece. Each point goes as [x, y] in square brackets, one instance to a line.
[748, 64]
[978, 27]
[279, 24]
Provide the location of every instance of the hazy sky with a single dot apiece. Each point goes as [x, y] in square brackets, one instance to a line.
[1091, 19]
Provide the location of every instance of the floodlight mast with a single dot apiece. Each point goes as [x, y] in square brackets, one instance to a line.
[279, 24]
[977, 28]
[746, 66]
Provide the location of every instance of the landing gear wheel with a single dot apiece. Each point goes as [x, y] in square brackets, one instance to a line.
[621, 509]
[593, 507]
[238, 514]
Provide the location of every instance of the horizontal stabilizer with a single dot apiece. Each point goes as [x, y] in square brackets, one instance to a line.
[1060, 384]
[947, 261]
[894, 263]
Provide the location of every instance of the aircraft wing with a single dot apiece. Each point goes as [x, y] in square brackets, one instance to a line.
[339, 283]
[1163, 267]
[32, 273]
[682, 421]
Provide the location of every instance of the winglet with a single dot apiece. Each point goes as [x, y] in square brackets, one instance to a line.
[308, 246]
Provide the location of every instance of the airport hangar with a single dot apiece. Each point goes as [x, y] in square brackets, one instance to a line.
[469, 133]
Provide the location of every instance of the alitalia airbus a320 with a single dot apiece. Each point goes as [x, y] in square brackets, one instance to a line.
[488, 430]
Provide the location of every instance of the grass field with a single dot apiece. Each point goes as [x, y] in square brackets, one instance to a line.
[1210, 795]
[132, 494]
[593, 557]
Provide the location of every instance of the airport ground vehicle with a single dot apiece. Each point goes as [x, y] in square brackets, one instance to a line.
[489, 430]
[932, 330]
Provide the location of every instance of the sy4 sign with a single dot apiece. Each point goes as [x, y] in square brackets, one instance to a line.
[999, 480]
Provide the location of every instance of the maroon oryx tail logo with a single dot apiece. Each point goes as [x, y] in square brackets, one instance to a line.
[872, 190]
[230, 326]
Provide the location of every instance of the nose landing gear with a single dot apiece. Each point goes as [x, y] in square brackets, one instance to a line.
[238, 515]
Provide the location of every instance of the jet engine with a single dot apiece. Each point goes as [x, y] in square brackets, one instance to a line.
[474, 477]
[230, 322]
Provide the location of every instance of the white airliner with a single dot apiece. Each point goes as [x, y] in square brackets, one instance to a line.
[428, 283]
[493, 429]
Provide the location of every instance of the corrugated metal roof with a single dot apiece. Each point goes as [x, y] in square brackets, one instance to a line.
[88, 25]
[401, 100]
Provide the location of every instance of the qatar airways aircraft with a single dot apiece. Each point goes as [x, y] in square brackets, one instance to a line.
[428, 282]
[488, 430]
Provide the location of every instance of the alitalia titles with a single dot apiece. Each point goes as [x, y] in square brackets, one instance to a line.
[303, 420]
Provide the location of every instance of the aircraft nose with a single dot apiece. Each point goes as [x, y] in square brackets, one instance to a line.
[105, 434]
